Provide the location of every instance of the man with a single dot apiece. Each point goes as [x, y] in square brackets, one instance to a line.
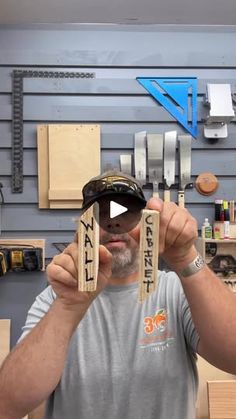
[102, 354]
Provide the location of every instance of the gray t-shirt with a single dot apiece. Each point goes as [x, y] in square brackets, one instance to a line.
[127, 360]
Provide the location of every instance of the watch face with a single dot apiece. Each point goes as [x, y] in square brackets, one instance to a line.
[194, 266]
[199, 262]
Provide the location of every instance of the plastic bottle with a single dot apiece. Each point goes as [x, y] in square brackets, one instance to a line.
[217, 232]
[206, 229]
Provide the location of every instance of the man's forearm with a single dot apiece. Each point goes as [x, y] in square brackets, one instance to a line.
[33, 369]
[213, 309]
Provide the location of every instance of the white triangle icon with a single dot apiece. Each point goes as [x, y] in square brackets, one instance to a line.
[116, 209]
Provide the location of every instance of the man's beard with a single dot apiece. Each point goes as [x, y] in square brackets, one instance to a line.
[124, 261]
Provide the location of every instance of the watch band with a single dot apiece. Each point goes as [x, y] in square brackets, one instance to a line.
[196, 265]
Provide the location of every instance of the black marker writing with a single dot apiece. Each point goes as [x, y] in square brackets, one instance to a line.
[87, 225]
[148, 282]
[87, 241]
[86, 258]
[146, 219]
[87, 276]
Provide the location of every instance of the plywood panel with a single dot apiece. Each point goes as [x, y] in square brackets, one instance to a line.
[208, 372]
[74, 157]
[42, 144]
[4, 338]
[222, 399]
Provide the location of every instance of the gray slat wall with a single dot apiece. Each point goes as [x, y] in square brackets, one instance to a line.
[115, 100]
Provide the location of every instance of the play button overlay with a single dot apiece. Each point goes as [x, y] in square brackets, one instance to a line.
[119, 214]
[116, 209]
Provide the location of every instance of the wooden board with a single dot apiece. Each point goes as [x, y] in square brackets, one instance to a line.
[207, 372]
[222, 399]
[88, 249]
[68, 156]
[5, 325]
[148, 250]
[74, 158]
[42, 144]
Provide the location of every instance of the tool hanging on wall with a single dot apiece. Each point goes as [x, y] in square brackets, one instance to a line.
[17, 117]
[140, 157]
[155, 161]
[170, 139]
[206, 183]
[126, 164]
[221, 111]
[185, 142]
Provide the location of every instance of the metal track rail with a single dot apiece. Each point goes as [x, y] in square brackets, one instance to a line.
[17, 117]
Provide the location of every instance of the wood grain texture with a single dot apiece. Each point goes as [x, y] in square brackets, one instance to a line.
[5, 325]
[74, 158]
[207, 372]
[148, 253]
[88, 249]
[42, 157]
[222, 399]
[68, 156]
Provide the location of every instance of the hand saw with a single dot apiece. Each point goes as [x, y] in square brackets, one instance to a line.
[126, 164]
[170, 138]
[185, 142]
[140, 157]
[155, 161]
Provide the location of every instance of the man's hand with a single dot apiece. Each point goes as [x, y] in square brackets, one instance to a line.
[178, 232]
[63, 273]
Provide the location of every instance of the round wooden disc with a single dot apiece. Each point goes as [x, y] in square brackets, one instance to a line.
[206, 183]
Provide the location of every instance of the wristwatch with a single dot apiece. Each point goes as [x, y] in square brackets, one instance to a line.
[196, 265]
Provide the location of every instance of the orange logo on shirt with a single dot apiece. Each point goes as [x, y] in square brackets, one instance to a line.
[158, 321]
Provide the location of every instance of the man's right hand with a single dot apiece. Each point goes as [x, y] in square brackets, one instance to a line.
[53, 332]
[63, 276]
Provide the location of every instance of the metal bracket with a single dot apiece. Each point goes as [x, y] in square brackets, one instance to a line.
[219, 99]
[17, 117]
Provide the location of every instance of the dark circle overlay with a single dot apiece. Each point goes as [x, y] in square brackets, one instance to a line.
[124, 222]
